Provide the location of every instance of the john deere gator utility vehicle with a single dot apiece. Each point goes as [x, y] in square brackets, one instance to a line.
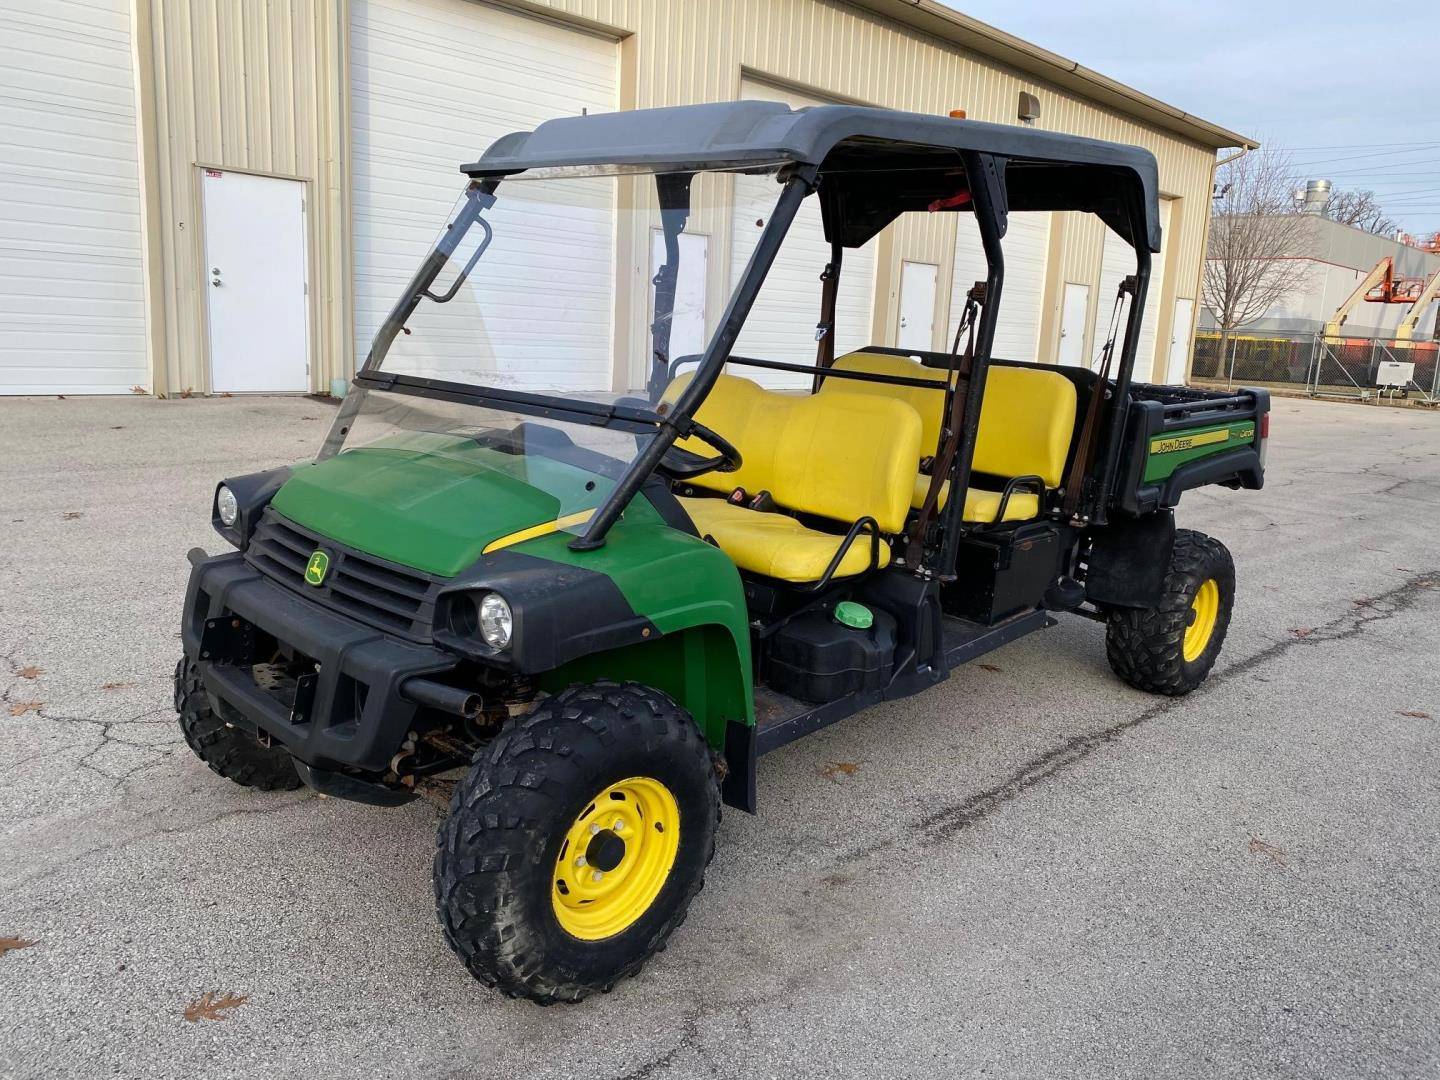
[603, 561]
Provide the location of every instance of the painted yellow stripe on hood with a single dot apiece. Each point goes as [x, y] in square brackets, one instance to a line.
[543, 529]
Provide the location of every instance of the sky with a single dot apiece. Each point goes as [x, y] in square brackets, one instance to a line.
[1351, 91]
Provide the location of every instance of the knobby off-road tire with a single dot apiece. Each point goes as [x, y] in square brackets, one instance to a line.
[544, 807]
[1169, 649]
[232, 753]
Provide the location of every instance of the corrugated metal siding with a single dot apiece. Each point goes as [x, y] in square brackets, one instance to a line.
[251, 87]
[688, 51]
[264, 87]
[72, 290]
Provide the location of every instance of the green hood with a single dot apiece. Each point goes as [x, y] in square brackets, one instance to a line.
[433, 502]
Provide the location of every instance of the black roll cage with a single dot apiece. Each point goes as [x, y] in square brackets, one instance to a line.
[863, 185]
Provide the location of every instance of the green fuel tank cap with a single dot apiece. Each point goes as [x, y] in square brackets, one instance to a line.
[856, 616]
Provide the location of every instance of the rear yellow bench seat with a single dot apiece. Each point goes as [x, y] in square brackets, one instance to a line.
[1026, 422]
[838, 457]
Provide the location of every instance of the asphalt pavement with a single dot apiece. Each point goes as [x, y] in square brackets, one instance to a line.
[1030, 871]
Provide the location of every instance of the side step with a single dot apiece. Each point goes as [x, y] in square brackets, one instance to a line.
[780, 720]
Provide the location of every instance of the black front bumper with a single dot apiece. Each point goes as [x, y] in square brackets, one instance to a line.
[350, 718]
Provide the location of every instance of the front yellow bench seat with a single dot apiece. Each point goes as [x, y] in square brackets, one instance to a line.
[838, 457]
[1027, 419]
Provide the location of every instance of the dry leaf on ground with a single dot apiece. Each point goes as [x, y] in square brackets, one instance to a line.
[20, 708]
[1418, 714]
[1260, 847]
[833, 770]
[213, 1005]
[116, 685]
[1303, 631]
[12, 942]
[30, 671]
[988, 667]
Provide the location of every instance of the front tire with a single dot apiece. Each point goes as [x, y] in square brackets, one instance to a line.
[577, 842]
[1169, 649]
[230, 752]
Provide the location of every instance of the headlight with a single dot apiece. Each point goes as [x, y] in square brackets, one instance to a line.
[226, 506]
[496, 622]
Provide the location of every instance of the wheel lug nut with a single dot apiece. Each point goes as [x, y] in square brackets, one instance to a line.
[594, 830]
[580, 861]
[598, 876]
[618, 825]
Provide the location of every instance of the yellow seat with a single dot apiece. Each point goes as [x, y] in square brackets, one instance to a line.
[777, 545]
[1027, 419]
[837, 457]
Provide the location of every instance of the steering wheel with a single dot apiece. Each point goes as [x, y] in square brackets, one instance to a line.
[680, 464]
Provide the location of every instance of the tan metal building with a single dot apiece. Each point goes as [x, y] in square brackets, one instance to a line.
[342, 121]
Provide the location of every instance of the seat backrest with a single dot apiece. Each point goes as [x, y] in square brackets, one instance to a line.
[1027, 417]
[930, 404]
[1026, 422]
[841, 457]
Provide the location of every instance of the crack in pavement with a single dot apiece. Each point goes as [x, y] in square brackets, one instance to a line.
[68, 860]
[946, 822]
[110, 733]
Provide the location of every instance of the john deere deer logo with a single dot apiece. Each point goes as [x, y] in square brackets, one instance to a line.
[317, 568]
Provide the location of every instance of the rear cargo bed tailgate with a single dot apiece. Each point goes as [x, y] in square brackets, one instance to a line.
[1178, 438]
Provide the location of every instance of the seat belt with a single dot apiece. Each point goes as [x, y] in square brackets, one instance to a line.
[957, 383]
[1085, 447]
[825, 328]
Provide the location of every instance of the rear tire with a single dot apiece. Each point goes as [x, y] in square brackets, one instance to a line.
[230, 752]
[606, 780]
[1169, 649]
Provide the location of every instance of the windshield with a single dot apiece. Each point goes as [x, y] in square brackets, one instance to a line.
[549, 315]
[567, 285]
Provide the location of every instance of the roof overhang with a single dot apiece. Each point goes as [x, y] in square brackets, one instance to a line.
[972, 34]
[1054, 171]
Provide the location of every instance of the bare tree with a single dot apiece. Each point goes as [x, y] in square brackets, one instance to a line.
[1255, 235]
[1360, 209]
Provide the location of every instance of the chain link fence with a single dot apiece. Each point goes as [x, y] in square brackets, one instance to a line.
[1340, 367]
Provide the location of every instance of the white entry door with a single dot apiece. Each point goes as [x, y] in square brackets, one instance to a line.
[1074, 309]
[255, 281]
[1180, 342]
[917, 306]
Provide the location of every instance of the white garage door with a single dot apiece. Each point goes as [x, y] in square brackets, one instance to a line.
[434, 83]
[781, 325]
[1118, 261]
[72, 295]
[1026, 243]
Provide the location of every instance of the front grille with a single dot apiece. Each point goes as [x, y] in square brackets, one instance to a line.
[381, 594]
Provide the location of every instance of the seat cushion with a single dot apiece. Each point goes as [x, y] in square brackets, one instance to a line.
[982, 506]
[776, 545]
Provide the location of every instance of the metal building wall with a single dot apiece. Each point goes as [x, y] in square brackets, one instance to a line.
[264, 87]
[251, 87]
[687, 51]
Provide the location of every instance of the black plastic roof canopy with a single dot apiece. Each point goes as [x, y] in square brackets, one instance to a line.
[875, 164]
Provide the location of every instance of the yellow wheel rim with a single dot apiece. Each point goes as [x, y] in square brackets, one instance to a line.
[615, 858]
[1204, 611]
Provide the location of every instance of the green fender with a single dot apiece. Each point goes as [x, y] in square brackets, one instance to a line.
[691, 591]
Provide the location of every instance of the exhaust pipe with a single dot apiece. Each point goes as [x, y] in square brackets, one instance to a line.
[435, 695]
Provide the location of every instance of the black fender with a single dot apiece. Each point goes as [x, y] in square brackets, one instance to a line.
[1128, 558]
